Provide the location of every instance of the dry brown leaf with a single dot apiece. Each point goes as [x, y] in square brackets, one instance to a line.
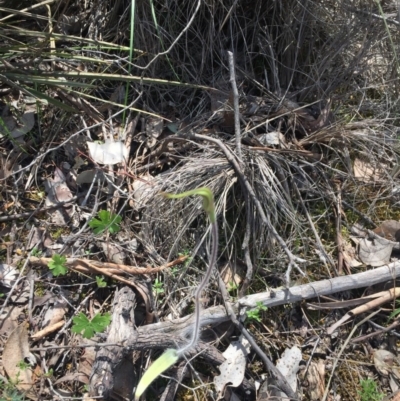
[9, 319]
[15, 351]
[232, 273]
[58, 191]
[114, 253]
[349, 255]
[389, 229]
[316, 380]
[375, 252]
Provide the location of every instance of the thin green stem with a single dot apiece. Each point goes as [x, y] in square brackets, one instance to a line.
[201, 287]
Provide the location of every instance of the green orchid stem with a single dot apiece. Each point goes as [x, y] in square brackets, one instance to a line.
[209, 207]
[200, 288]
[171, 356]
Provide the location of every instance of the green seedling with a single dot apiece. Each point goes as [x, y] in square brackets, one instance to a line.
[23, 365]
[100, 282]
[49, 373]
[8, 390]
[158, 287]
[171, 356]
[36, 252]
[57, 265]
[105, 221]
[89, 327]
[255, 314]
[395, 312]
[232, 286]
[369, 391]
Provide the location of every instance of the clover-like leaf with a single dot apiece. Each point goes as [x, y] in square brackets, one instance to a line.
[57, 265]
[105, 221]
[90, 327]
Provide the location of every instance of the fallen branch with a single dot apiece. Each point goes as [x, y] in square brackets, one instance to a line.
[106, 268]
[217, 314]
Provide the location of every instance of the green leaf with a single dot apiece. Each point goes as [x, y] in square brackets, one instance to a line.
[100, 282]
[261, 306]
[165, 361]
[394, 313]
[90, 327]
[105, 221]
[57, 265]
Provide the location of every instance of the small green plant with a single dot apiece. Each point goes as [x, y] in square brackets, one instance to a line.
[395, 312]
[36, 252]
[369, 391]
[105, 221]
[57, 265]
[49, 373]
[232, 286]
[255, 314]
[89, 327]
[23, 365]
[9, 392]
[158, 287]
[174, 271]
[101, 283]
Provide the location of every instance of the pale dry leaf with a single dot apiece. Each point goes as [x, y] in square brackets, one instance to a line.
[366, 172]
[274, 138]
[143, 190]
[16, 350]
[232, 273]
[375, 252]
[108, 153]
[233, 368]
[27, 122]
[349, 255]
[8, 275]
[386, 363]
[288, 365]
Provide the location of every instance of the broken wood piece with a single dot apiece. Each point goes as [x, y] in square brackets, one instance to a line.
[386, 296]
[113, 362]
[47, 330]
[113, 268]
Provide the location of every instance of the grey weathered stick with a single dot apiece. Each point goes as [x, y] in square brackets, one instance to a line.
[238, 139]
[217, 314]
[108, 358]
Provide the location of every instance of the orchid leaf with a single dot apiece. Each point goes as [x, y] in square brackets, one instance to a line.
[165, 361]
